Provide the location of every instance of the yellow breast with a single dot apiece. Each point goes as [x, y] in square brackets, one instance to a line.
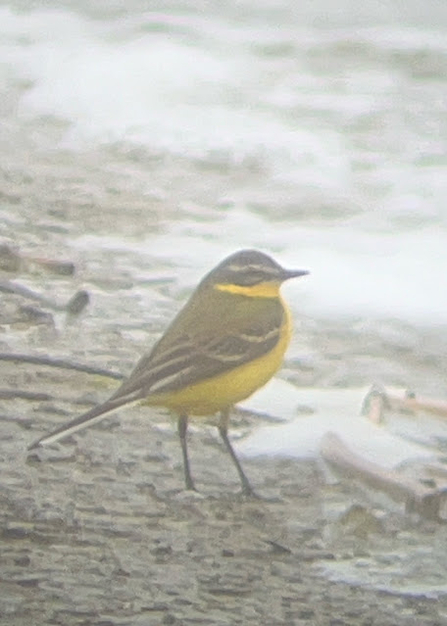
[218, 393]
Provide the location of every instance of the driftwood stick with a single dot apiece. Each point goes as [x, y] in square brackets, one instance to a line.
[379, 399]
[11, 260]
[61, 363]
[8, 286]
[374, 404]
[417, 498]
[411, 402]
[12, 394]
[63, 268]
[74, 306]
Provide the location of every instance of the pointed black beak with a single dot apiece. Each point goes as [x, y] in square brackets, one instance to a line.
[286, 274]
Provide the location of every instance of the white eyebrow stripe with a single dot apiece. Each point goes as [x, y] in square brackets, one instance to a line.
[254, 268]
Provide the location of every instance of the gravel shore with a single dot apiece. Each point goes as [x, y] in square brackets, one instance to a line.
[98, 531]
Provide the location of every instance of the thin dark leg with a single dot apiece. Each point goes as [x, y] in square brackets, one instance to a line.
[223, 430]
[182, 429]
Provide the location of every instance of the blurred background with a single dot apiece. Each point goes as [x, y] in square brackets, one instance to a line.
[158, 137]
[140, 143]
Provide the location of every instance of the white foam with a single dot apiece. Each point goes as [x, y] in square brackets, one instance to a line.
[196, 88]
[335, 410]
[370, 274]
[163, 92]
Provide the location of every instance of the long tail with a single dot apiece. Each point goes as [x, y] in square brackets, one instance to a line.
[93, 416]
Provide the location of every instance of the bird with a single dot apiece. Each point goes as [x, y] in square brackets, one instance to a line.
[227, 341]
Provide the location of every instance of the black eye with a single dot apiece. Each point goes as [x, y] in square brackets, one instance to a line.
[251, 277]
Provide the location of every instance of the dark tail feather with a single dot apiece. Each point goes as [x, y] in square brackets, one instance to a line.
[93, 416]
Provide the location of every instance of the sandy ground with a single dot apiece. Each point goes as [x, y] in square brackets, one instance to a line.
[98, 531]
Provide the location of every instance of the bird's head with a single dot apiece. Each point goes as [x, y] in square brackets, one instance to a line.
[250, 273]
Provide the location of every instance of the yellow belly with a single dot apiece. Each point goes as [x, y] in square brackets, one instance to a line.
[221, 392]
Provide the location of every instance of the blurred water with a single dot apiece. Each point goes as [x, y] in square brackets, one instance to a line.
[330, 118]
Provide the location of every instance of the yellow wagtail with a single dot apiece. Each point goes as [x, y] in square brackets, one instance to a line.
[227, 342]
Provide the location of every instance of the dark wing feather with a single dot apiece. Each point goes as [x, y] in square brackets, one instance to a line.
[191, 358]
[190, 351]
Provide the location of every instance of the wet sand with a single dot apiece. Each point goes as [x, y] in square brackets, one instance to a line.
[98, 530]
